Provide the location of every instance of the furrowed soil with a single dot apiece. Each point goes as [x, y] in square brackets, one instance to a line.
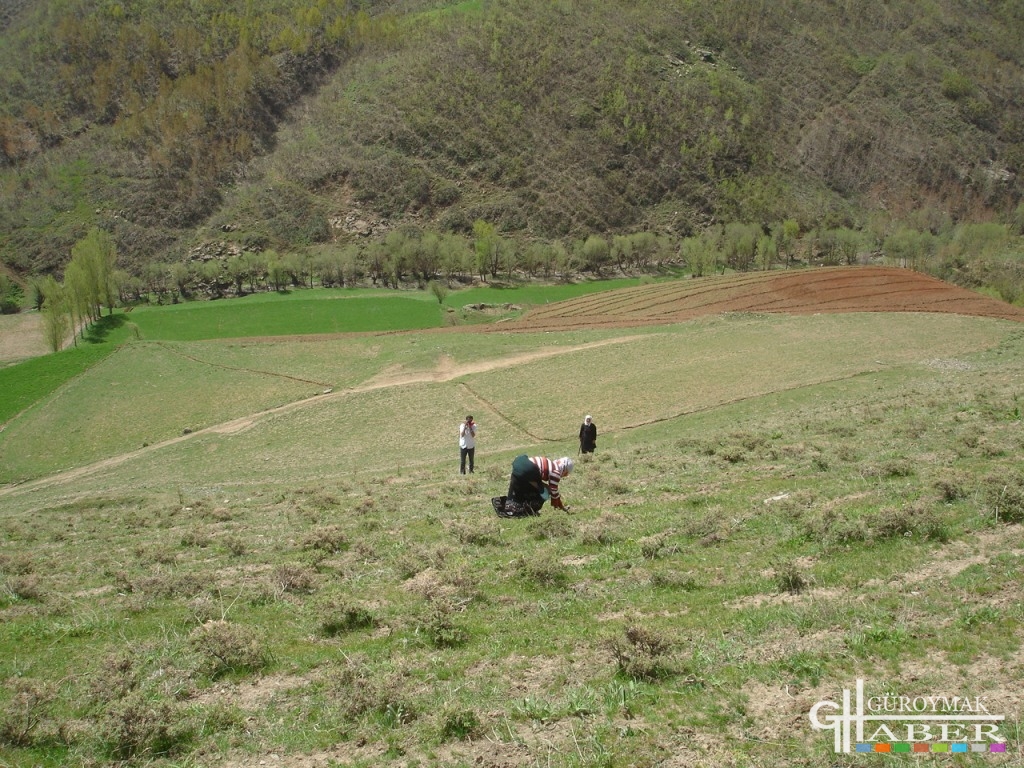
[803, 292]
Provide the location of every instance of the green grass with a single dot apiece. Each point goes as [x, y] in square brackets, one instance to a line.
[531, 295]
[305, 312]
[321, 584]
[27, 382]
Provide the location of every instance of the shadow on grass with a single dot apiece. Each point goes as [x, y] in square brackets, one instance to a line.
[98, 332]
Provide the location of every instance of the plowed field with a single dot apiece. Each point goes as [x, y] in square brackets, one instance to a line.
[800, 292]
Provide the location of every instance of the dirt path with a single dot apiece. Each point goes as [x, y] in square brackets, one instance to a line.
[445, 370]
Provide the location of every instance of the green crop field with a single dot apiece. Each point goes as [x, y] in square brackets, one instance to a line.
[230, 552]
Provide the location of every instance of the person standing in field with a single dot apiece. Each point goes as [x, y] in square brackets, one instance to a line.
[588, 435]
[467, 444]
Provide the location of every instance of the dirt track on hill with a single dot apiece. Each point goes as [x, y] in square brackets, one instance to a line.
[801, 292]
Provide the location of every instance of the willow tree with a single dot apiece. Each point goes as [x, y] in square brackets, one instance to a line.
[54, 309]
[90, 275]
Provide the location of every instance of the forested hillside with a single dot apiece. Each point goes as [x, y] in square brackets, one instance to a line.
[285, 124]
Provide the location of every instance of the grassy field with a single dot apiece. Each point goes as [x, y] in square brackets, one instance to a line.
[222, 552]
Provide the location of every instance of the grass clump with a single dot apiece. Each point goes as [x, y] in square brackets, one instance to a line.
[918, 518]
[224, 647]
[23, 716]
[460, 725]
[643, 654]
[440, 628]
[1005, 497]
[340, 617]
[541, 570]
[790, 578]
[362, 691]
[329, 539]
[141, 726]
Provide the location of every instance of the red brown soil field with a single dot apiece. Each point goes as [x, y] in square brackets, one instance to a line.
[797, 292]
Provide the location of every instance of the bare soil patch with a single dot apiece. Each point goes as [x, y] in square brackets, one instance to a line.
[799, 292]
[21, 336]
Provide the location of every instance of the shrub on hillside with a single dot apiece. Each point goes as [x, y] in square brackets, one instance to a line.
[330, 539]
[1005, 496]
[918, 518]
[224, 647]
[643, 654]
[23, 715]
[139, 726]
[338, 616]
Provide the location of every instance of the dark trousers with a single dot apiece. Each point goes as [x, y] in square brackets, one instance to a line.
[463, 453]
[526, 483]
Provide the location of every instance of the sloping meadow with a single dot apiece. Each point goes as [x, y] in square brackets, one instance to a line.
[778, 506]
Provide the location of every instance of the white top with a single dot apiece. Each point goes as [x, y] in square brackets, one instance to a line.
[467, 435]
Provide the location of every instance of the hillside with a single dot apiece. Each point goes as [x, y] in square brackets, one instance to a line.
[228, 552]
[271, 126]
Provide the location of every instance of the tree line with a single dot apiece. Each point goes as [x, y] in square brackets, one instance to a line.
[986, 257]
[91, 281]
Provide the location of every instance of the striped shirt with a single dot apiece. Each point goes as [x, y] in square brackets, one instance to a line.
[550, 473]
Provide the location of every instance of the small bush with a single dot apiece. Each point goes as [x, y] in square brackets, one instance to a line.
[360, 691]
[899, 467]
[479, 536]
[26, 588]
[733, 454]
[22, 715]
[330, 539]
[339, 617]
[643, 654]
[834, 528]
[602, 531]
[673, 580]
[292, 577]
[226, 647]
[1005, 496]
[19, 564]
[916, 519]
[542, 570]
[951, 488]
[441, 630]
[789, 578]
[653, 547]
[139, 726]
[235, 546]
[461, 724]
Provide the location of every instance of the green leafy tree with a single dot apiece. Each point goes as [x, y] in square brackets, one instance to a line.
[56, 316]
[277, 271]
[439, 289]
[622, 250]
[696, 254]
[455, 258]
[596, 253]
[11, 296]
[255, 268]
[786, 234]
[643, 247]
[181, 279]
[907, 247]
[740, 245]
[485, 246]
[767, 252]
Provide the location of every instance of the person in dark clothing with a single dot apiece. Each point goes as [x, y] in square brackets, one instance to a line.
[588, 435]
[534, 480]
